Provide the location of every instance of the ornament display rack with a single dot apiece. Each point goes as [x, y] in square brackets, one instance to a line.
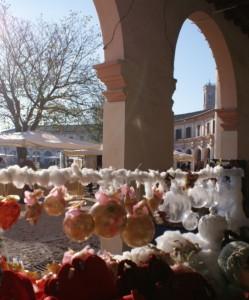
[120, 210]
[54, 176]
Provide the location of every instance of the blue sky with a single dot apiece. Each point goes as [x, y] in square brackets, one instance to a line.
[194, 63]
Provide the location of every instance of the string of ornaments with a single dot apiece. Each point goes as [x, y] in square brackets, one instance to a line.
[128, 203]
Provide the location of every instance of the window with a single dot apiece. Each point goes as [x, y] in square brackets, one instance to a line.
[198, 130]
[188, 132]
[208, 128]
[178, 134]
[213, 126]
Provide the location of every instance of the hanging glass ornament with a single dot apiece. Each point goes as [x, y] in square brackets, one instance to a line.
[33, 212]
[54, 203]
[139, 229]
[9, 211]
[156, 200]
[176, 203]
[129, 195]
[198, 195]
[78, 224]
[109, 218]
[33, 208]
[211, 228]
[233, 261]
[190, 220]
[213, 194]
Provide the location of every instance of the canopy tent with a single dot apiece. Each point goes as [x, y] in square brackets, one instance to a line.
[182, 157]
[37, 139]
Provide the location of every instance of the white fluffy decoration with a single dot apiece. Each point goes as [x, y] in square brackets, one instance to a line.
[170, 240]
[138, 255]
[176, 203]
[106, 176]
[211, 228]
[198, 195]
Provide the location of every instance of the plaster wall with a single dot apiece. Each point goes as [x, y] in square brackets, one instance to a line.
[114, 140]
[149, 117]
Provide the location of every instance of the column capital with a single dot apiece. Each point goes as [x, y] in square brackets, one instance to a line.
[229, 118]
[110, 73]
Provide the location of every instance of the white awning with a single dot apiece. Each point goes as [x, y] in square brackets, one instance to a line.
[37, 139]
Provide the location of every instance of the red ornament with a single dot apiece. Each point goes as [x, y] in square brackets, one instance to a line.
[9, 212]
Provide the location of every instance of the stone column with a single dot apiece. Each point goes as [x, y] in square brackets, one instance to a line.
[138, 74]
[226, 136]
[114, 113]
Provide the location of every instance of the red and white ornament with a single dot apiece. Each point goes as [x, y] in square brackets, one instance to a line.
[55, 203]
[78, 224]
[139, 229]
[109, 214]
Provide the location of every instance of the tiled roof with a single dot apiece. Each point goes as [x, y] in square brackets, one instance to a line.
[191, 114]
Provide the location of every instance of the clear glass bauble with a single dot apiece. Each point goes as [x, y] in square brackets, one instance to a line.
[190, 220]
[175, 205]
[198, 196]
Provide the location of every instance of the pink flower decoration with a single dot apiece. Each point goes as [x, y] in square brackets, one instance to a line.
[29, 199]
[102, 197]
[158, 194]
[68, 257]
[73, 212]
[58, 192]
[140, 209]
[128, 190]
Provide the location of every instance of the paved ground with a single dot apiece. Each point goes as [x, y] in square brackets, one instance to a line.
[40, 243]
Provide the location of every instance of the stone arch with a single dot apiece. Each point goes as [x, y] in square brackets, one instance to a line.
[134, 71]
[198, 153]
[226, 93]
[111, 29]
[207, 155]
[198, 158]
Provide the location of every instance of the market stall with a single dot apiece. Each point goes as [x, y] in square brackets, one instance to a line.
[38, 139]
[211, 263]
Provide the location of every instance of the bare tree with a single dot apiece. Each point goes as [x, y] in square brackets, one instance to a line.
[46, 73]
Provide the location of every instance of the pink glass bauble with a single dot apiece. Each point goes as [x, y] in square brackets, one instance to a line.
[78, 225]
[138, 231]
[109, 218]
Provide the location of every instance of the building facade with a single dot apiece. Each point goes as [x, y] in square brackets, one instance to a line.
[194, 133]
